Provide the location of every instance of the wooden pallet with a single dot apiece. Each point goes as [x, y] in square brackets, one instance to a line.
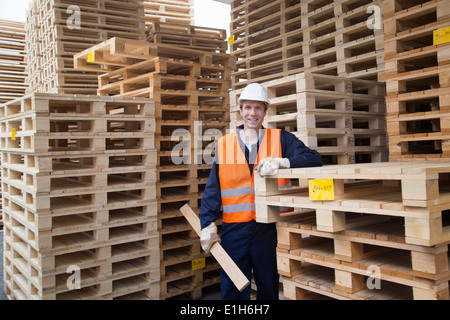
[273, 39]
[84, 205]
[52, 42]
[183, 183]
[341, 118]
[422, 80]
[13, 68]
[320, 284]
[416, 80]
[180, 246]
[337, 41]
[267, 41]
[168, 90]
[402, 16]
[338, 264]
[190, 90]
[113, 52]
[417, 126]
[147, 51]
[414, 191]
[120, 262]
[194, 37]
[258, 19]
[169, 11]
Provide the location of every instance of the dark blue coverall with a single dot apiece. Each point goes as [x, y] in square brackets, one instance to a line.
[252, 245]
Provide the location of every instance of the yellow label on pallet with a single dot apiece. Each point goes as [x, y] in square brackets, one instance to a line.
[441, 36]
[321, 189]
[231, 40]
[13, 134]
[91, 56]
[198, 264]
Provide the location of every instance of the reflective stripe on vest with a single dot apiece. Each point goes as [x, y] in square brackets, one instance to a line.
[237, 191]
[237, 185]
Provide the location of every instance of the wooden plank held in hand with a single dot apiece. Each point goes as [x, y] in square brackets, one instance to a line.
[228, 265]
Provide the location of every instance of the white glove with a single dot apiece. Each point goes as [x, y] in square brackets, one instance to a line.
[268, 166]
[208, 237]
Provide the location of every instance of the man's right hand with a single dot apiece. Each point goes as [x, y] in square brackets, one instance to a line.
[208, 237]
[268, 166]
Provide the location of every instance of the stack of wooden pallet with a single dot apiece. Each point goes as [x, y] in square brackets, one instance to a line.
[57, 29]
[171, 11]
[417, 79]
[12, 60]
[267, 40]
[190, 90]
[344, 38]
[342, 118]
[79, 192]
[274, 39]
[384, 236]
[194, 37]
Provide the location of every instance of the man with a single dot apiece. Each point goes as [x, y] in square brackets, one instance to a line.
[239, 154]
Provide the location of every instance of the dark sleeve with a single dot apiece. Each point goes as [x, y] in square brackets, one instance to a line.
[298, 154]
[211, 200]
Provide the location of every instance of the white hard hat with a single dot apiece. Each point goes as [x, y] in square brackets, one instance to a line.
[255, 92]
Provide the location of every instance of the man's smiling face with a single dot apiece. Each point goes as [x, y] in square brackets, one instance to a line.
[253, 113]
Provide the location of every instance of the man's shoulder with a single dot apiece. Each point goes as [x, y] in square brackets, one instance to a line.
[287, 134]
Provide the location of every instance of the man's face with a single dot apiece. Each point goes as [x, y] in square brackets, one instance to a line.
[253, 113]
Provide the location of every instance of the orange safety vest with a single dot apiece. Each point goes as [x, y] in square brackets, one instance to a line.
[236, 183]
